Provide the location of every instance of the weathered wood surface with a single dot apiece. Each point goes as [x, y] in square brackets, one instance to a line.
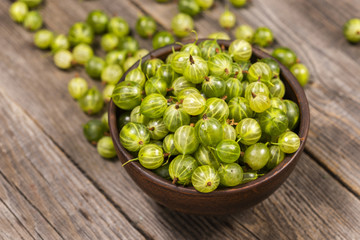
[46, 164]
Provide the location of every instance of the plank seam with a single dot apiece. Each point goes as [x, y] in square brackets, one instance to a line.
[332, 174]
[31, 204]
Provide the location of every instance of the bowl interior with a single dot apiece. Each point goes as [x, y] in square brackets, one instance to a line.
[294, 92]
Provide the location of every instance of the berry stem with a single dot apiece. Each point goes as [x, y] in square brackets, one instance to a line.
[131, 160]
[191, 60]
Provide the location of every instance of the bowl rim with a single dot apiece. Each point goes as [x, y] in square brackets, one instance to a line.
[303, 126]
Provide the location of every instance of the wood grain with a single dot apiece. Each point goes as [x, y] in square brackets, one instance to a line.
[48, 196]
[310, 205]
[313, 29]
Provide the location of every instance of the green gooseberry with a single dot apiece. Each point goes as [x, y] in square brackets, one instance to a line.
[213, 86]
[259, 102]
[109, 42]
[205, 179]
[105, 147]
[111, 74]
[181, 169]
[245, 84]
[250, 176]
[244, 32]
[220, 65]
[189, 7]
[128, 43]
[293, 113]
[230, 174]
[98, 20]
[209, 48]
[227, 19]
[92, 101]
[163, 171]
[175, 117]
[240, 50]
[301, 73]
[182, 24]
[206, 156]
[273, 121]
[186, 91]
[150, 67]
[238, 3]
[137, 117]
[145, 26]
[239, 109]
[285, 55]
[228, 132]
[63, 59]
[219, 36]
[259, 72]
[228, 151]
[276, 157]
[244, 65]
[166, 73]
[192, 48]
[255, 88]
[82, 53]
[116, 57]
[133, 136]
[129, 62]
[196, 69]
[80, 33]
[93, 130]
[216, 108]
[33, 21]
[156, 85]
[209, 131]
[105, 120]
[169, 145]
[118, 26]
[139, 54]
[151, 156]
[77, 87]
[289, 142]
[31, 3]
[237, 72]
[185, 140]
[60, 42]
[153, 105]
[157, 128]
[94, 67]
[276, 88]
[248, 131]
[136, 75]
[157, 142]
[273, 64]
[278, 103]
[263, 37]
[257, 156]
[18, 11]
[205, 4]
[127, 95]
[123, 119]
[234, 88]
[179, 61]
[43, 38]
[108, 91]
[194, 104]
[162, 39]
[351, 30]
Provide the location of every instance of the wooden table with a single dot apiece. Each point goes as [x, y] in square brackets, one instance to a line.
[54, 185]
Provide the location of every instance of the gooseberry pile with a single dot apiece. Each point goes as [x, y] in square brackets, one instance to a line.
[206, 116]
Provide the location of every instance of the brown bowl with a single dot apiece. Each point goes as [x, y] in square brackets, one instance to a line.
[221, 201]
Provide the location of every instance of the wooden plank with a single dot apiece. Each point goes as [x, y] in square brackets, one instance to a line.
[19, 219]
[313, 30]
[51, 186]
[41, 90]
